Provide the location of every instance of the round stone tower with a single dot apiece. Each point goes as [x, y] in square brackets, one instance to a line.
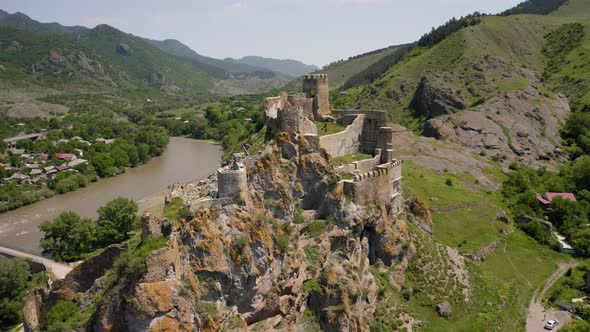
[232, 179]
[316, 86]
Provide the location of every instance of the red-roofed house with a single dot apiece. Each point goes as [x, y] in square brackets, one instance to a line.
[548, 197]
[62, 156]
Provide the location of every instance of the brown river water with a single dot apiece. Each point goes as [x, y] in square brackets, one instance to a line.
[185, 160]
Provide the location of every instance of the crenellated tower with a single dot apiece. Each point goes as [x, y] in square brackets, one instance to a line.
[316, 86]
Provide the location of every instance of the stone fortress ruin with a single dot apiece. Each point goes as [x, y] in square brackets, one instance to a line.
[374, 180]
[377, 179]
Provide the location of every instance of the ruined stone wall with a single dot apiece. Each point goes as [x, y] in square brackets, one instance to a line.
[364, 166]
[316, 86]
[344, 142]
[230, 181]
[371, 187]
[301, 101]
[361, 166]
[383, 185]
[374, 120]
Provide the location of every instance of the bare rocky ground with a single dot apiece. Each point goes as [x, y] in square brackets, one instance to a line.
[444, 157]
[19, 100]
[520, 122]
[27, 107]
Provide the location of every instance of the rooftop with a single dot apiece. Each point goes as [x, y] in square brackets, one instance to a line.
[548, 197]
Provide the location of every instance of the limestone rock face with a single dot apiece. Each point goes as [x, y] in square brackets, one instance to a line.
[433, 99]
[521, 124]
[294, 244]
[124, 49]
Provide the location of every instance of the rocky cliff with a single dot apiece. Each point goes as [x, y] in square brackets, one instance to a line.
[290, 253]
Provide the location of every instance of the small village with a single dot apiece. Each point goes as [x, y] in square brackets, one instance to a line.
[28, 167]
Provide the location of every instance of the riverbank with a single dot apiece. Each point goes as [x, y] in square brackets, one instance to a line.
[184, 160]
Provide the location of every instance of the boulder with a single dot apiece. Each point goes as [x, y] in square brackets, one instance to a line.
[432, 99]
[55, 57]
[444, 309]
[2, 69]
[124, 49]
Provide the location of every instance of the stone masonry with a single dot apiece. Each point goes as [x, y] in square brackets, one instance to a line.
[367, 131]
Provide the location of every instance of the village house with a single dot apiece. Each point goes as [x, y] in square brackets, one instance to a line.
[548, 197]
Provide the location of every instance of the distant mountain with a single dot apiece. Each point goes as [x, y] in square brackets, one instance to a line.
[288, 67]
[105, 57]
[22, 22]
[179, 49]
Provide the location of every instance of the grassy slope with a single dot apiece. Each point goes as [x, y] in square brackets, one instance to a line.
[517, 39]
[503, 284]
[340, 72]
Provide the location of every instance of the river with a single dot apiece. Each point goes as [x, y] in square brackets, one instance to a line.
[184, 160]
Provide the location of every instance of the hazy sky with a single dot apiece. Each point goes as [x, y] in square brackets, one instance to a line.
[314, 31]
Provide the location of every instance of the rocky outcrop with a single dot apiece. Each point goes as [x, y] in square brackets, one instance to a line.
[55, 57]
[124, 49]
[484, 252]
[259, 261]
[434, 99]
[444, 309]
[34, 310]
[521, 125]
[157, 79]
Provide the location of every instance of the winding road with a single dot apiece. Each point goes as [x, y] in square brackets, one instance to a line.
[537, 315]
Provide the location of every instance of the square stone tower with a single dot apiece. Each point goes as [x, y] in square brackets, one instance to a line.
[316, 86]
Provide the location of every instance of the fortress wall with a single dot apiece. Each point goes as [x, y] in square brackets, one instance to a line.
[367, 165]
[344, 142]
[374, 120]
[301, 101]
[308, 127]
[289, 119]
[231, 182]
[371, 187]
[350, 168]
[381, 185]
[316, 86]
[397, 170]
[362, 166]
[271, 106]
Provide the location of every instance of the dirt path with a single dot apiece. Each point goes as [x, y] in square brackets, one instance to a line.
[537, 315]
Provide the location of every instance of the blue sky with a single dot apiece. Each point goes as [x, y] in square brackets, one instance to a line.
[314, 31]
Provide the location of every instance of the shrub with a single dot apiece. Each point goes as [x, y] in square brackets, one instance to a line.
[316, 228]
[312, 286]
[449, 182]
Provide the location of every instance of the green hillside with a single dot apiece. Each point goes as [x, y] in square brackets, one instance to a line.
[148, 65]
[341, 71]
[517, 40]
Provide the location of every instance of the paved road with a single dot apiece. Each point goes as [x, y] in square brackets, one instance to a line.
[60, 270]
[537, 316]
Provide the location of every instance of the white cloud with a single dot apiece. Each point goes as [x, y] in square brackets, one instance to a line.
[236, 8]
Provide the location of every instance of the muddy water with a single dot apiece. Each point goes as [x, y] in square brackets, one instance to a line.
[184, 160]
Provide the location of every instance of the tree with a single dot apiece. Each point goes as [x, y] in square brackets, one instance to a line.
[119, 156]
[68, 236]
[104, 164]
[115, 220]
[14, 276]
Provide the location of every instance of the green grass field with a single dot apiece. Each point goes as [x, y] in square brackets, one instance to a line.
[503, 284]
